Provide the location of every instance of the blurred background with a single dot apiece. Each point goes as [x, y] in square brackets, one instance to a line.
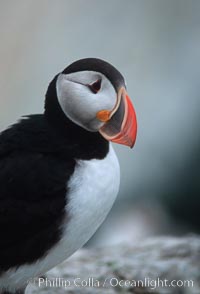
[156, 45]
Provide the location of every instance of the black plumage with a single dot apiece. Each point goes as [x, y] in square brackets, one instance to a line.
[37, 158]
[98, 65]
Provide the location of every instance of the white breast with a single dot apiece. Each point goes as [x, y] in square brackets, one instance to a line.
[93, 189]
[92, 192]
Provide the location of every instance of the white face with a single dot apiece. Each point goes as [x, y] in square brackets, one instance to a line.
[80, 103]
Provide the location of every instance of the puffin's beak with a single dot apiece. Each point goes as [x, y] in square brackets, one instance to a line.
[120, 123]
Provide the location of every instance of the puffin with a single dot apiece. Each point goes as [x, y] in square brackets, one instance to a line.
[59, 174]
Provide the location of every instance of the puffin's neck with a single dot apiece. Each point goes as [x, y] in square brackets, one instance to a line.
[89, 144]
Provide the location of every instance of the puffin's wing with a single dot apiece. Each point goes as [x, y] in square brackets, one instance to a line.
[32, 201]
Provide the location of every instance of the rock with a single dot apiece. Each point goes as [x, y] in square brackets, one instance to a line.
[165, 265]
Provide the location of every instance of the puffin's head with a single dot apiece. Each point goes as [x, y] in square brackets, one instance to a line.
[92, 94]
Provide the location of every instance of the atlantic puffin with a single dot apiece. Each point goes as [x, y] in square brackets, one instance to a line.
[59, 175]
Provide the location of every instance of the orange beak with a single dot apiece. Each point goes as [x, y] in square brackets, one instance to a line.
[120, 123]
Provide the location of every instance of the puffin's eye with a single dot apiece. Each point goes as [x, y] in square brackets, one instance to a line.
[95, 87]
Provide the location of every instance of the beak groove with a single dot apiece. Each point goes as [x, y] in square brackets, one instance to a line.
[121, 128]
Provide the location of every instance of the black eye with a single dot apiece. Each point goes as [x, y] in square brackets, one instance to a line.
[95, 87]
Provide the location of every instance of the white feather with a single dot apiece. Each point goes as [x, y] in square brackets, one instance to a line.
[80, 104]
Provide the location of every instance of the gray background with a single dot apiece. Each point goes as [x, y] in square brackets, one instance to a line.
[156, 45]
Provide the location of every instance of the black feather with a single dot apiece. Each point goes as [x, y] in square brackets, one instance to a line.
[37, 159]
